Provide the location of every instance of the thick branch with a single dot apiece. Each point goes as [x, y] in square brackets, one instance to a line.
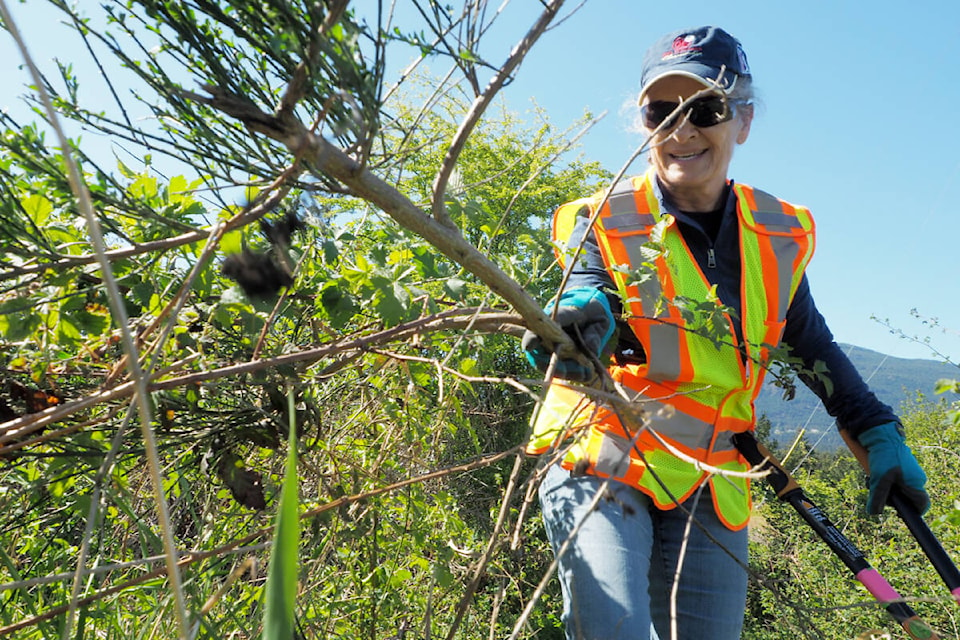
[326, 158]
[450, 242]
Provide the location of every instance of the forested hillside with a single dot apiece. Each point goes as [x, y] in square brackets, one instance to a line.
[895, 381]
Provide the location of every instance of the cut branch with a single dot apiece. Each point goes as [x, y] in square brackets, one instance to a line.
[327, 159]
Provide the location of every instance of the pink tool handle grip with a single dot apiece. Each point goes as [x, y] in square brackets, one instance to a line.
[877, 585]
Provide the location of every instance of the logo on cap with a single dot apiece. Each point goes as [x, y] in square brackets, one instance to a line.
[682, 45]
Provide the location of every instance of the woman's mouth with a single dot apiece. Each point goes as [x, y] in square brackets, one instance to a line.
[681, 157]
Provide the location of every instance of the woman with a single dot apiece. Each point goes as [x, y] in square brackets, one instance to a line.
[656, 534]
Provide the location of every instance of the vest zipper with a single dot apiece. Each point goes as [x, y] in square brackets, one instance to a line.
[711, 258]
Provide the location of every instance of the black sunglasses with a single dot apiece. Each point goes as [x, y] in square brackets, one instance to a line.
[704, 112]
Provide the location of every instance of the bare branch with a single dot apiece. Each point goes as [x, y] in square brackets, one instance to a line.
[144, 410]
[480, 105]
[455, 319]
[296, 88]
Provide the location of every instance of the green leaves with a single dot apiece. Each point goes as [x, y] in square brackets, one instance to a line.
[18, 320]
[946, 386]
[38, 208]
[708, 318]
[339, 305]
[369, 420]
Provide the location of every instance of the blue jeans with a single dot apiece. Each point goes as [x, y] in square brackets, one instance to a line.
[618, 574]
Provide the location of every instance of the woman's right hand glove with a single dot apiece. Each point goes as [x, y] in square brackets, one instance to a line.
[892, 464]
[585, 314]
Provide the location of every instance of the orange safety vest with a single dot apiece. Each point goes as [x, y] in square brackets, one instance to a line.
[695, 395]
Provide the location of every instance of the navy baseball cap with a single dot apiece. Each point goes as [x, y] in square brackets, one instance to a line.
[707, 54]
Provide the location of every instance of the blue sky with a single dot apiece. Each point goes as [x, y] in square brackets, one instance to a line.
[857, 121]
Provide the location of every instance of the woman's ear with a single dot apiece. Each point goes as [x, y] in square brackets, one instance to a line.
[746, 119]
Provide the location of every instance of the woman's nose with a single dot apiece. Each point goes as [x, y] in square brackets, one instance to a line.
[684, 131]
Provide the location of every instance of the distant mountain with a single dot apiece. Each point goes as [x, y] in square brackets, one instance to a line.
[894, 380]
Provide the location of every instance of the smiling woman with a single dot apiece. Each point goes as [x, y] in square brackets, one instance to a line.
[684, 237]
[692, 160]
[691, 153]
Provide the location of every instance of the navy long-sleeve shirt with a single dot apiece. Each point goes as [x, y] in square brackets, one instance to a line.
[713, 239]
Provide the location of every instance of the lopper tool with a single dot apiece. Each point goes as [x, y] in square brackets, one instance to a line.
[789, 491]
[917, 526]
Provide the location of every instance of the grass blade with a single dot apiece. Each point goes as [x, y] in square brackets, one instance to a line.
[281, 593]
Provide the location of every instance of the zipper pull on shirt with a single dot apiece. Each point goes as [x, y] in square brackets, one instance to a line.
[711, 258]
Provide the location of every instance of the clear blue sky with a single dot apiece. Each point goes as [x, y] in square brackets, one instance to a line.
[858, 121]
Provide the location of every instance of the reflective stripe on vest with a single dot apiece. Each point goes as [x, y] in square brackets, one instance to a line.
[708, 392]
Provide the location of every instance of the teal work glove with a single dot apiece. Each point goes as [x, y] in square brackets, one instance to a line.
[892, 465]
[585, 314]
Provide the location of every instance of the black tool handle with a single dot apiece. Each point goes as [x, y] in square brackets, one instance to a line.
[788, 490]
[915, 524]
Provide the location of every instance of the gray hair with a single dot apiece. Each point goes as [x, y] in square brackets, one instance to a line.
[743, 90]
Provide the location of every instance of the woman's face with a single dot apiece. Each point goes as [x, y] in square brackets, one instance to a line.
[690, 161]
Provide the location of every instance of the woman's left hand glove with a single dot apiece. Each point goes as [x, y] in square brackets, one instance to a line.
[892, 464]
[585, 314]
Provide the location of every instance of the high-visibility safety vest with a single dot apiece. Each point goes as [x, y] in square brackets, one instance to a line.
[694, 395]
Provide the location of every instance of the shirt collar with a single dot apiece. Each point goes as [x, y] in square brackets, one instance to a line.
[667, 205]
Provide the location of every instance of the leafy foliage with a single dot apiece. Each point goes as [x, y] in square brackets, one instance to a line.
[415, 250]
[391, 342]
